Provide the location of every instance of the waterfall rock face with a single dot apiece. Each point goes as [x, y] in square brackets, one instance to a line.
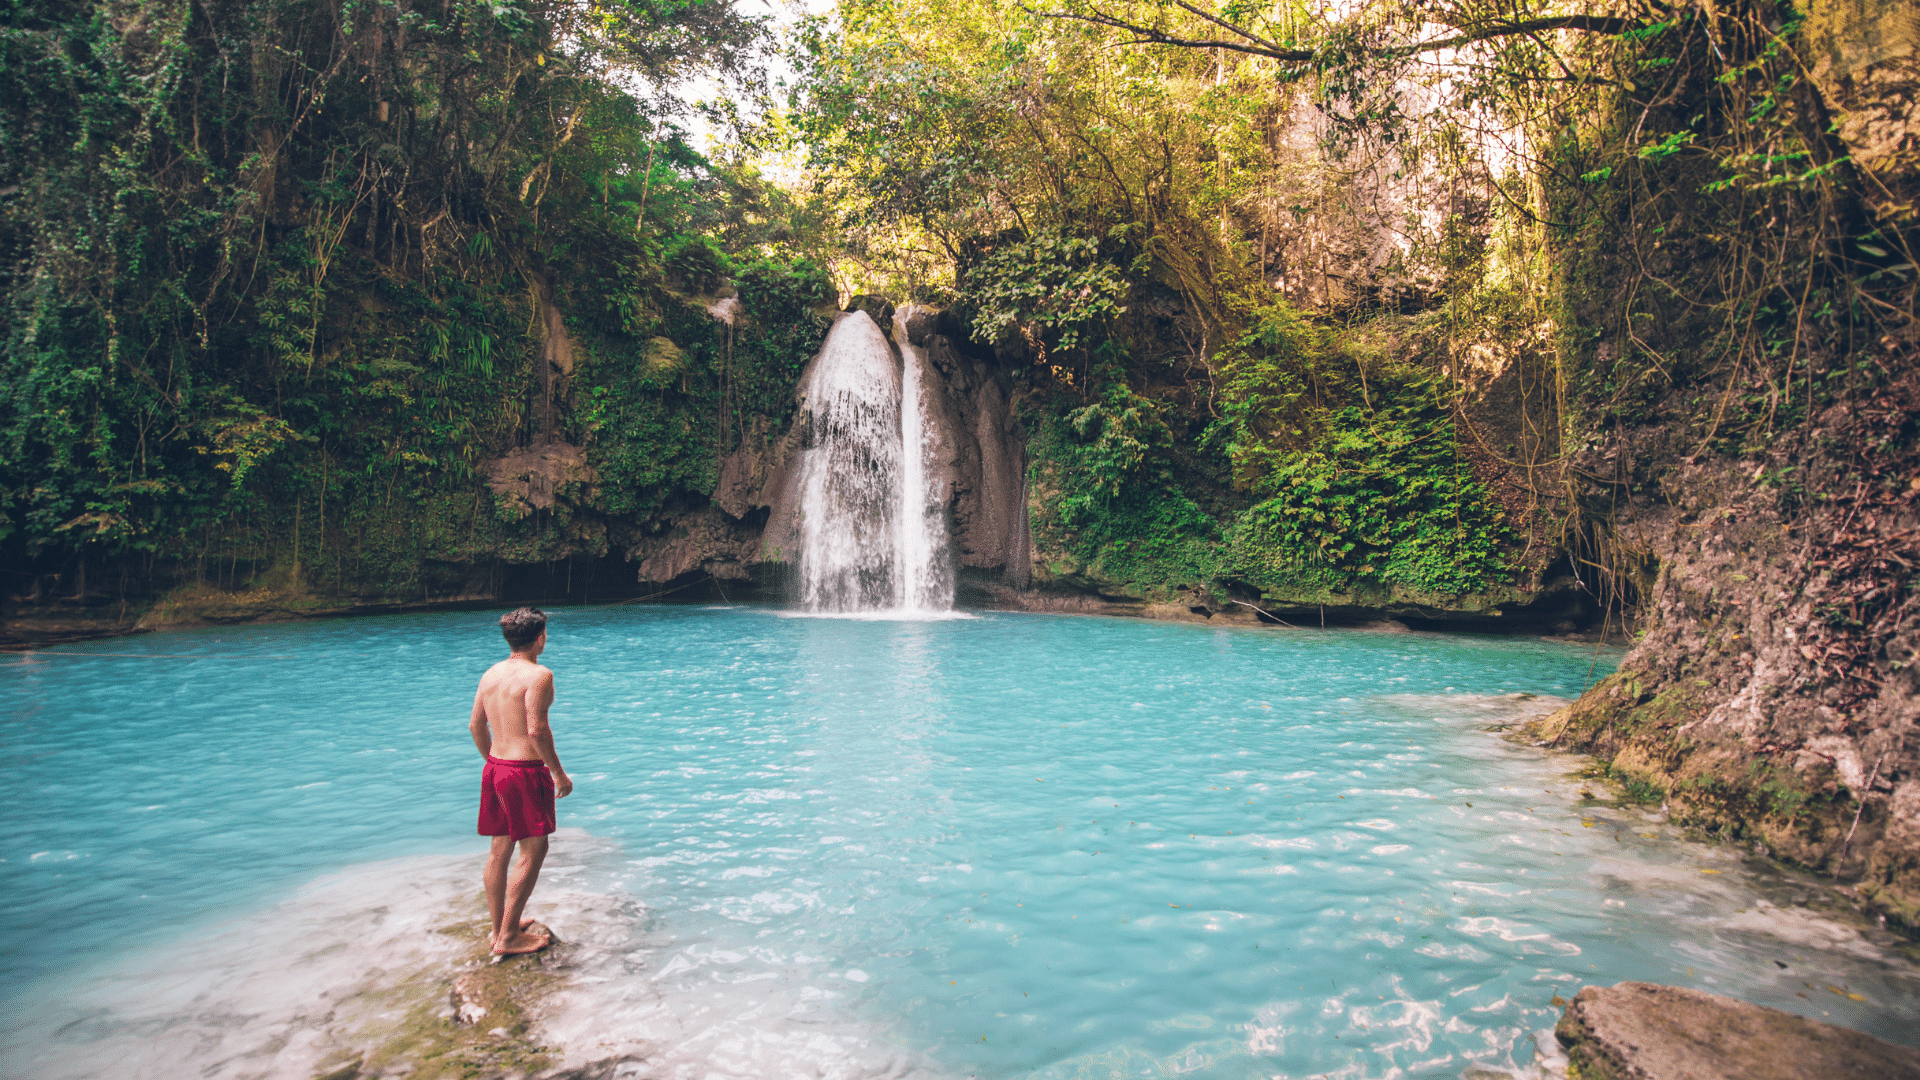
[925, 552]
[959, 508]
[977, 450]
[956, 481]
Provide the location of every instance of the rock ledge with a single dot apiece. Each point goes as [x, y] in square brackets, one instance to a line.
[1645, 1031]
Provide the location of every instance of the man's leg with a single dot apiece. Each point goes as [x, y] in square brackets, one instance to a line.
[496, 881]
[519, 887]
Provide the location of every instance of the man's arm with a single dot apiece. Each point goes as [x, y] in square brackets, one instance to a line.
[477, 726]
[539, 698]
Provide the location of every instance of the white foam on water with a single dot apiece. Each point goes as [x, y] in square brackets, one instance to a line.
[701, 996]
[327, 973]
[267, 995]
[1477, 706]
[885, 615]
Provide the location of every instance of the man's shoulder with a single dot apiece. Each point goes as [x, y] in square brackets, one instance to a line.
[530, 672]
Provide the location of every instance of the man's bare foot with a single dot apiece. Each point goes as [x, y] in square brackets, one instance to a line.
[519, 942]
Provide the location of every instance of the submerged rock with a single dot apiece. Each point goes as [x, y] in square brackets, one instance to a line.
[1645, 1031]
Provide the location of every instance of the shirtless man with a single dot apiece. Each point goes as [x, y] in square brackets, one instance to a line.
[521, 779]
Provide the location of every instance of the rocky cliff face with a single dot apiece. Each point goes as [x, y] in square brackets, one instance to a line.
[1772, 699]
[981, 456]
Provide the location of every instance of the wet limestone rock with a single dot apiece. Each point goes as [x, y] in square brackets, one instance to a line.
[977, 450]
[533, 477]
[706, 542]
[1645, 1031]
[485, 1027]
[753, 472]
[1756, 711]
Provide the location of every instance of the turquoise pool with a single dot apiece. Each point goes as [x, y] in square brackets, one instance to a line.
[1004, 845]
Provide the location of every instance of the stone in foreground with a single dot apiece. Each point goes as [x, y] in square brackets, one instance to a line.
[1645, 1031]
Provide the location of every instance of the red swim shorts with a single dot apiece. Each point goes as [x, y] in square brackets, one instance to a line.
[516, 798]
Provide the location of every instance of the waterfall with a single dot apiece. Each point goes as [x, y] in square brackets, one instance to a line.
[873, 533]
[926, 569]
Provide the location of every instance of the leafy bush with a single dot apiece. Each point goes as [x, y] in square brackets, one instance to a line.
[1382, 495]
[777, 291]
[1053, 284]
[1115, 505]
[1355, 463]
[697, 263]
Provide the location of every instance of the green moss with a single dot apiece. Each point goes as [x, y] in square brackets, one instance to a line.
[1633, 788]
[424, 1043]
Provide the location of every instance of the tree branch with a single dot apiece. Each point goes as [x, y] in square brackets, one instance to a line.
[1146, 35]
[1255, 45]
[1588, 24]
[1230, 28]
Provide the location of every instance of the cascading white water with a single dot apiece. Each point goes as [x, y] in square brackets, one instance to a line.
[873, 533]
[926, 572]
[849, 483]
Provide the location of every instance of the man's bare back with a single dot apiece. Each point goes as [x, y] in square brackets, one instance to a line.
[522, 777]
[512, 702]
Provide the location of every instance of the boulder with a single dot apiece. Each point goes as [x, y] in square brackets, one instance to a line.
[1645, 1031]
[879, 307]
[925, 322]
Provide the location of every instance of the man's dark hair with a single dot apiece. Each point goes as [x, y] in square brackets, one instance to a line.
[522, 627]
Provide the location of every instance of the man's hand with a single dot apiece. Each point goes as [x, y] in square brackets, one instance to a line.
[562, 785]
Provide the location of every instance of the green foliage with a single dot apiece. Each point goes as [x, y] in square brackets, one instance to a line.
[660, 411]
[1054, 285]
[1268, 404]
[697, 263]
[1382, 494]
[1357, 471]
[1111, 497]
[256, 291]
[784, 292]
[786, 301]
[1349, 494]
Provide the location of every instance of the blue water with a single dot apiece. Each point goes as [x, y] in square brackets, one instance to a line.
[1008, 845]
